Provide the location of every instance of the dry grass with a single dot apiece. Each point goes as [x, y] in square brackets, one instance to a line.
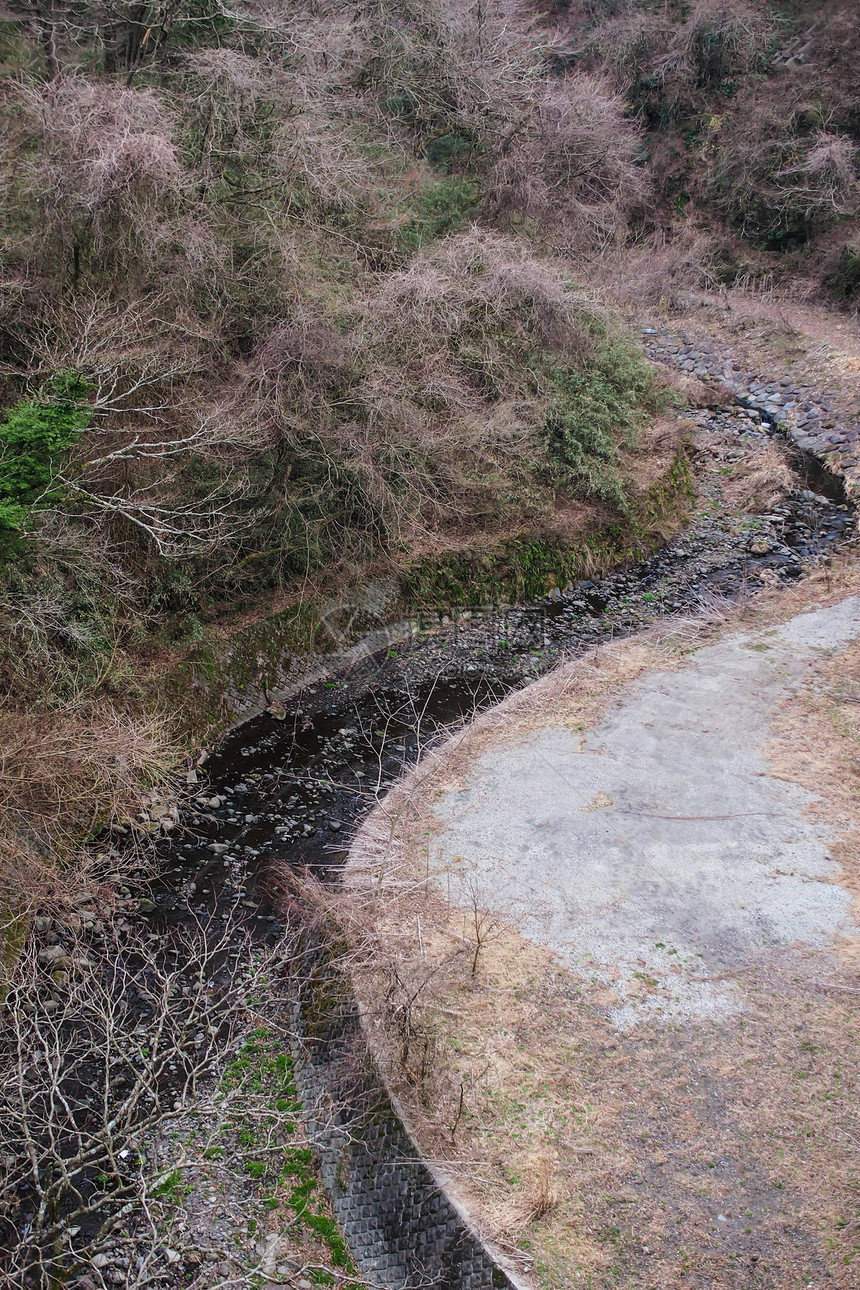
[66, 779]
[577, 1146]
[759, 482]
[817, 732]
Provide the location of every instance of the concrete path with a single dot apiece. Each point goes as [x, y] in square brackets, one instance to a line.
[615, 975]
[659, 844]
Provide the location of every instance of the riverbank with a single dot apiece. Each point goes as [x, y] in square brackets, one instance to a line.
[636, 877]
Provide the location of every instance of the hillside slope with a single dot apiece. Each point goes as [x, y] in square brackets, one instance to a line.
[293, 293]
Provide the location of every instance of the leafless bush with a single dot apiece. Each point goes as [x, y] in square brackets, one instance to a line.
[572, 164]
[780, 187]
[105, 166]
[303, 359]
[827, 178]
[679, 54]
[428, 79]
[479, 282]
[719, 38]
[663, 268]
[437, 373]
[108, 1044]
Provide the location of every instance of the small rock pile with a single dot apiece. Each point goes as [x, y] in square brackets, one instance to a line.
[809, 418]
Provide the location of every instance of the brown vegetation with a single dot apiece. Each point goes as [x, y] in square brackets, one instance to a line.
[70, 776]
[751, 121]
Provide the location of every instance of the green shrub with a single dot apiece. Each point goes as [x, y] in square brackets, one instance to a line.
[441, 206]
[595, 407]
[33, 440]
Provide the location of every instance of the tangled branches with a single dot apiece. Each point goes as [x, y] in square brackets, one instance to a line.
[106, 1044]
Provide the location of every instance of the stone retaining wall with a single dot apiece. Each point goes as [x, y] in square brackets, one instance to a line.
[402, 1227]
[809, 418]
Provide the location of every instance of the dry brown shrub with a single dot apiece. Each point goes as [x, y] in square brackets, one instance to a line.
[105, 162]
[662, 269]
[66, 776]
[689, 50]
[541, 1194]
[441, 68]
[831, 175]
[719, 38]
[696, 393]
[774, 183]
[760, 482]
[572, 164]
[305, 355]
[477, 280]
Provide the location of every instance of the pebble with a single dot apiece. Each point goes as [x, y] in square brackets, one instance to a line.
[53, 954]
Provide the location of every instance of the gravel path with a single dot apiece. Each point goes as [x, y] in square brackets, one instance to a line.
[659, 842]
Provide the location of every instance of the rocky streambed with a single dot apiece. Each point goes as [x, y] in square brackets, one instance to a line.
[816, 421]
[283, 793]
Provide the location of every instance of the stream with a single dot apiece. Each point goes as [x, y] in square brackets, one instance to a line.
[288, 787]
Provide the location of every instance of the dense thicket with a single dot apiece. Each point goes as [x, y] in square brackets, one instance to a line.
[751, 112]
[254, 240]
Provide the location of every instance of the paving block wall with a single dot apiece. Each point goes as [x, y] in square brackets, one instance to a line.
[403, 1230]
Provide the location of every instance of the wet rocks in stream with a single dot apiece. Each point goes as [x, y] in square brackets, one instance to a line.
[810, 418]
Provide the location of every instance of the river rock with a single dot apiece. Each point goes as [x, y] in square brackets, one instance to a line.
[53, 954]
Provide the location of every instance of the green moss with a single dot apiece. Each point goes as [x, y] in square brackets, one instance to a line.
[526, 568]
[261, 1067]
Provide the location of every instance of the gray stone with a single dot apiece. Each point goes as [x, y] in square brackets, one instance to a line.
[53, 954]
